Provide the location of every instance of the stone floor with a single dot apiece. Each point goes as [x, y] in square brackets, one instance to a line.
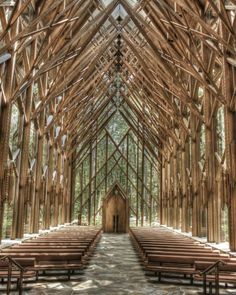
[114, 269]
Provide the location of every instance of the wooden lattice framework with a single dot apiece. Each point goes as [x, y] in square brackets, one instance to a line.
[139, 181]
[58, 65]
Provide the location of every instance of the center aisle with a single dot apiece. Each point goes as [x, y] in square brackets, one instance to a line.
[115, 269]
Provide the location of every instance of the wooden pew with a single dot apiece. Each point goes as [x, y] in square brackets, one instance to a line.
[51, 261]
[80, 250]
[172, 253]
[64, 261]
[55, 246]
[179, 249]
[186, 253]
[62, 250]
[173, 245]
[177, 264]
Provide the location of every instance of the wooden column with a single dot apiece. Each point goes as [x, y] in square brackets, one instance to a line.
[213, 204]
[127, 163]
[137, 181]
[66, 190]
[172, 202]
[150, 195]
[160, 176]
[174, 176]
[81, 171]
[230, 119]
[70, 193]
[95, 184]
[55, 220]
[185, 204]
[5, 121]
[71, 188]
[195, 152]
[142, 181]
[106, 165]
[47, 209]
[169, 192]
[213, 220]
[229, 83]
[34, 223]
[90, 182]
[164, 194]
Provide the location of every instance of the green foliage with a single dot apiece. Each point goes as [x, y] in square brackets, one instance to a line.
[13, 140]
[7, 220]
[32, 142]
[220, 131]
[202, 143]
[126, 171]
[117, 127]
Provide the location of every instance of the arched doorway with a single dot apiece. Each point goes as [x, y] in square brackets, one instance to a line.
[116, 211]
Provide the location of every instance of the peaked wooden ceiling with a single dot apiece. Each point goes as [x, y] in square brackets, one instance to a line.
[70, 58]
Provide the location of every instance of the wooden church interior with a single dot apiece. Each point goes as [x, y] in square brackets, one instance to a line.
[118, 116]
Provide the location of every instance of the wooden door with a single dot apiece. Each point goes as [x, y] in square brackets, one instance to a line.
[115, 214]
